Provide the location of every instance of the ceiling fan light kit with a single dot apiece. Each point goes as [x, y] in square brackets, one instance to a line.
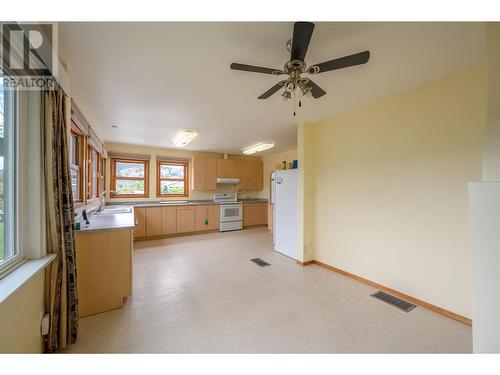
[296, 66]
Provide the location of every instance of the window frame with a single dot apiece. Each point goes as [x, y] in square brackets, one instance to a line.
[113, 177]
[159, 163]
[78, 157]
[90, 176]
[12, 102]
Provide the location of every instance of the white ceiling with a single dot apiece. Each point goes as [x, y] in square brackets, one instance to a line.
[154, 79]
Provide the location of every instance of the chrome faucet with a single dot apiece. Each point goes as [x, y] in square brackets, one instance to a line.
[99, 208]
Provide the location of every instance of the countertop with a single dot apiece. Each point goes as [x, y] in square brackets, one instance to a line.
[192, 202]
[109, 222]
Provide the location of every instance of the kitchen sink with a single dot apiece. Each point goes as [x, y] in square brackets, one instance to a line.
[115, 210]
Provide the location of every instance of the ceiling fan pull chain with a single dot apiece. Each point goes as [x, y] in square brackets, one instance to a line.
[294, 102]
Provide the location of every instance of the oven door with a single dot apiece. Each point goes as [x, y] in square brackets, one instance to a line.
[231, 212]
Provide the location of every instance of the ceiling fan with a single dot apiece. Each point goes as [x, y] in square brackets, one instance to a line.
[296, 66]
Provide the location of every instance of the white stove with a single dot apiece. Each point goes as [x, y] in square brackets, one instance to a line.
[231, 211]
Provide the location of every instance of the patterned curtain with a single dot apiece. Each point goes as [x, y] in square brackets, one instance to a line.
[60, 278]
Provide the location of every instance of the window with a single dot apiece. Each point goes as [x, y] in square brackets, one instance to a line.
[92, 176]
[172, 179]
[8, 174]
[101, 171]
[129, 178]
[75, 149]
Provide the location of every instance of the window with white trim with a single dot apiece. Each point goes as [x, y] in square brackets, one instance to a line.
[9, 252]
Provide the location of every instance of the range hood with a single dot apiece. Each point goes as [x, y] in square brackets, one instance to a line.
[232, 181]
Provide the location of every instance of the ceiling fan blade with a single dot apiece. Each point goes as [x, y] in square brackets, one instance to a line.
[302, 32]
[255, 69]
[272, 90]
[316, 91]
[342, 62]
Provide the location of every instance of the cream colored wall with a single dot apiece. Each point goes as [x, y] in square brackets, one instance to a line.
[491, 159]
[177, 153]
[20, 318]
[272, 162]
[390, 194]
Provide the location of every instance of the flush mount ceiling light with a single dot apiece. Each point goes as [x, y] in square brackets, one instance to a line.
[258, 147]
[184, 138]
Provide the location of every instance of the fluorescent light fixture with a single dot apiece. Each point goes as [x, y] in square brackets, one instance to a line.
[184, 138]
[258, 147]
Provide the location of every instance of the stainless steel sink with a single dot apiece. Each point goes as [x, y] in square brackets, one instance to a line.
[115, 210]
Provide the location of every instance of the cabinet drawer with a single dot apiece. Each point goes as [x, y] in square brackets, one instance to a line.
[186, 208]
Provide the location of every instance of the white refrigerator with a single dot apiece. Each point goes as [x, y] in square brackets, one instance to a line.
[284, 197]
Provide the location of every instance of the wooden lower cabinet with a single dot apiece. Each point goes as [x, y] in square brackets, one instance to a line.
[153, 221]
[254, 214]
[186, 219]
[201, 218]
[207, 217]
[140, 222]
[169, 220]
[104, 269]
[213, 217]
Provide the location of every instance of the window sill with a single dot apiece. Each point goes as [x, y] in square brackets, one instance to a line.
[21, 275]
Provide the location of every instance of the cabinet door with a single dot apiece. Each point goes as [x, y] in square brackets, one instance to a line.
[252, 170]
[213, 217]
[247, 215]
[210, 174]
[198, 174]
[168, 220]
[232, 168]
[153, 221]
[186, 219]
[201, 218]
[259, 175]
[222, 168]
[256, 214]
[243, 174]
[140, 222]
[263, 213]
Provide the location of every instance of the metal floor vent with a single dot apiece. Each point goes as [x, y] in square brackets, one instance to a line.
[260, 262]
[394, 301]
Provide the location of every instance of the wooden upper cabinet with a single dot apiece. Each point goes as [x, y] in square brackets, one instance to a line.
[232, 168]
[210, 174]
[243, 175]
[198, 174]
[222, 168]
[168, 220]
[259, 175]
[206, 171]
[140, 222]
[153, 221]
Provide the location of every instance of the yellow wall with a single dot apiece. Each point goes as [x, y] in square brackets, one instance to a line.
[390, 188]
[20, 318]
[272, 162]
[153, 152]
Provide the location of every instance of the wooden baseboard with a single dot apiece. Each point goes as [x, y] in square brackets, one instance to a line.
[161, 236]
[306, 263]
[411, 299]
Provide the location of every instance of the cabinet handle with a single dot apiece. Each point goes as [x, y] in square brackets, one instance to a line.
[136, 222]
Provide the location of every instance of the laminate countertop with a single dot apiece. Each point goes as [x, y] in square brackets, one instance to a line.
[193, 202]
[110, 221]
